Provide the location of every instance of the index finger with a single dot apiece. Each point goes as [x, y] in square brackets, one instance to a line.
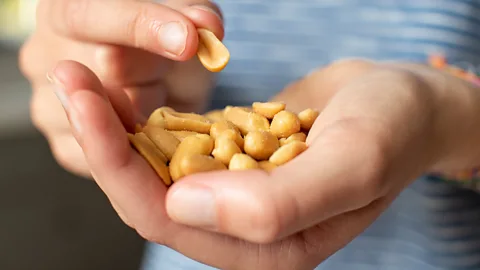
[153, 27]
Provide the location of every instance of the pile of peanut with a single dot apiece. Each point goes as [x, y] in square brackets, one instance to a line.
[262, 136]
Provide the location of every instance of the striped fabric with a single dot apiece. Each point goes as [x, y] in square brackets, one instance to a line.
[433, 225]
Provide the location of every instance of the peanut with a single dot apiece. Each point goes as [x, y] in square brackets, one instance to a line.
[152, 155]
[266, 165]
[260, 145]
[284, 124]
[211, 52]
[268, 109]
[307, 118]
[242, 162]
[182, 134]
[215, 115]
[198, 144]
[233, 135]
[224, 149]
[186, 122]
[220, 126]
[300, 136]
[156, 117]
[246, 121]
[287, 152]
[138, 128]
[197, 163]
[164, 140]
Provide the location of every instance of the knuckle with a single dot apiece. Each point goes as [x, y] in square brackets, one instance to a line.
[72, 15]
[265, 223]
[68, 153]
[111, 64]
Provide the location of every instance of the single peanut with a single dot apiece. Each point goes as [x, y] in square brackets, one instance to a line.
[260, 145]
[197, 163]
[284, 124]
[156, 117]
[307, 118]
[220, 126]
[224, 149]
[266, 165]
[233, 135]
[287, 152]
[246, 121]
[211, 52]
[164, 140]
[176, 122]
[242, 162]
[201, 144]
[215, 115]
[300, 136]
[268, 109]
[182, 134]
[152, 155]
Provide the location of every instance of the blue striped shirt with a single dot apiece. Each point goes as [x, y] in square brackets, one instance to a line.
[432, 225]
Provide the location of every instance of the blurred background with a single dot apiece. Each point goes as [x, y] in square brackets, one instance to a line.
[49, 219]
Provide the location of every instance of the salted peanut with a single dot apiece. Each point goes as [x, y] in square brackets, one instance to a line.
[307, 118]
[224, 149]
[242, 162]
[268, 109]
[164, 140]
[192, 116]
[246, 121]
[215, 115]
[287, 152]
[260, 145]
[200, 163]
[284, 124]
[211, 52]
[174, 122]
[152, 155]
[138, 128]
[220, 126]
[182, 134]
[156, 117]
[300, 136]
[266, 165]
[201, 144]
[233, 135]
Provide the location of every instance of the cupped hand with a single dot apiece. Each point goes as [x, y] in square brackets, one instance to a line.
[381, 126]
[141, 52]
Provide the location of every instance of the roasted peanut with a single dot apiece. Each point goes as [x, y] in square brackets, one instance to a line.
[287, 152]
[138, 128]
[266, 165]
[182, 134]
[233, 135]
[284, 124]
[198, 144]
[224, 149]
[242, 162]
[164, 140]
[156, 117]
[211, 52]
[197, 163]
[220, 126]
[307, 118]
[179, 123]
[268, 109]
[246, 121]
[260, 145]
[215, 115]
[152, 155]
[300, 136]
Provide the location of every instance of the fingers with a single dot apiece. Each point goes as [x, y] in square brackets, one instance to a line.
[154, 27]
[352, 160]
[125, 177]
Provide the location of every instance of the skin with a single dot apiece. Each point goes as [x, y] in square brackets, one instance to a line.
[409, 119]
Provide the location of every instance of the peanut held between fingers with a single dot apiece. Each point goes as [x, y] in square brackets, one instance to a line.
[211, 52]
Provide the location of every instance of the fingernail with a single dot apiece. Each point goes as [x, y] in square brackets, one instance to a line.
[59, 90]
[208, 9]
[193, 206]
[173, 37]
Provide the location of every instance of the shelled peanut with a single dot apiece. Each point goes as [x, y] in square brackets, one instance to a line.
[263, 137]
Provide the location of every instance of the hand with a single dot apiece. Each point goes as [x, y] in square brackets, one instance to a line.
[381, 126]
[141, 52]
